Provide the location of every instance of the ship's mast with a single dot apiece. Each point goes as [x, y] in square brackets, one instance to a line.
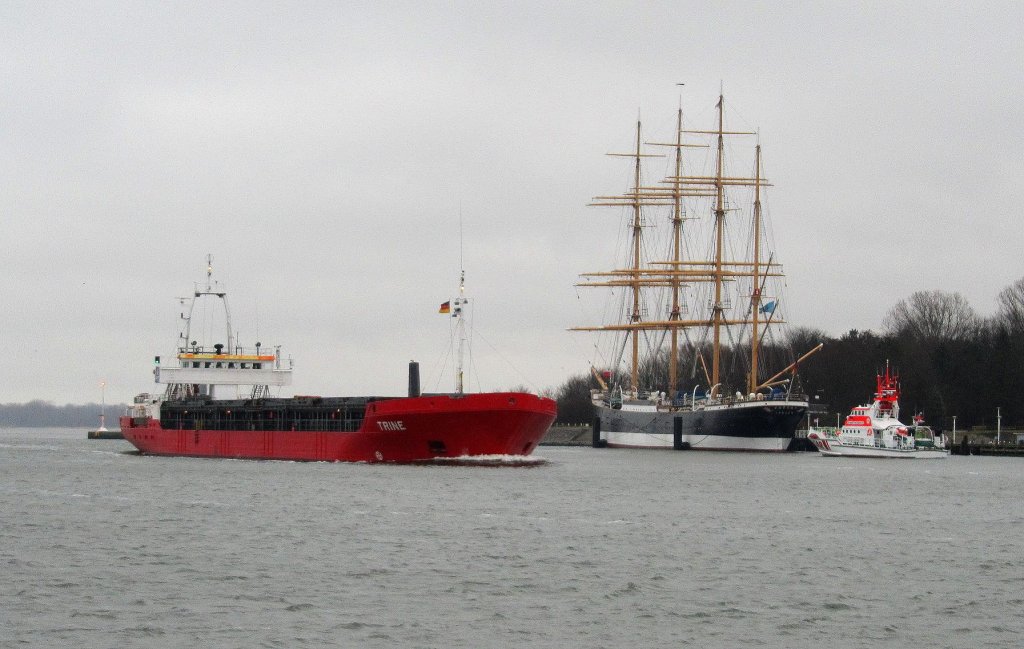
[634, 373]
[755, 297]
[677, 244]
[721, 270]
[677, 191]
[460, 329]
[209, 292]
[716, 352]
[634, 276]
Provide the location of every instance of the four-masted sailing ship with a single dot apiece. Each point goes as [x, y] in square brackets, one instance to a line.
[715, 309]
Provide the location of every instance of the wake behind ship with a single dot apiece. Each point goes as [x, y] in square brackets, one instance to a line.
[192, 418]
[697, 318]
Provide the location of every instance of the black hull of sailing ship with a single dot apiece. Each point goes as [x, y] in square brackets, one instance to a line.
[746, 426]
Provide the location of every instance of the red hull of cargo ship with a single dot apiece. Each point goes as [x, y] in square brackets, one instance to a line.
[403, 429]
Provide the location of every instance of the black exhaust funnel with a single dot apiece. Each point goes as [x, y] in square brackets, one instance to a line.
[414, 379]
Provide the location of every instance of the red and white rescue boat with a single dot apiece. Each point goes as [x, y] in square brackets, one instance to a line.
[876, 431]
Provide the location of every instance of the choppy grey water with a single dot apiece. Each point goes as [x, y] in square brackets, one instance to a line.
[594, 548]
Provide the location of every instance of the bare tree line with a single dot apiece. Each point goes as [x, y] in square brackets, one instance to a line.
[45, 414]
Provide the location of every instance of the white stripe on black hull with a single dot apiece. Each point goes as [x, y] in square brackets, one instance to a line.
[747, 426]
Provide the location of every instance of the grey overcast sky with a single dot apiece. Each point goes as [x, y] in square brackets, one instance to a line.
[323, 152]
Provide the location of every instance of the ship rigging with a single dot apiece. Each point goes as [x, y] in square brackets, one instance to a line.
[724, 296]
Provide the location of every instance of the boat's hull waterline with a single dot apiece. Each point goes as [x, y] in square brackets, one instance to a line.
[398, 430]
[753, 426]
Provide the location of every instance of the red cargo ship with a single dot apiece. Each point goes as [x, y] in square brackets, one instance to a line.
[396, 429]
[190, 418]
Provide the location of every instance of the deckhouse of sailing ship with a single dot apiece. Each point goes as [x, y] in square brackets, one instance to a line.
[721, 299]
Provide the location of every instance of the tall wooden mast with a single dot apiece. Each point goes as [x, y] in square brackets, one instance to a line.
[634, 276]
[634, 373]
[677, 190]
[755, 294]
[716, 316]
[677, 244]
[721, 269]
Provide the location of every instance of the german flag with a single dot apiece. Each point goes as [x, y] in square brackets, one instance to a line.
[445, 308]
